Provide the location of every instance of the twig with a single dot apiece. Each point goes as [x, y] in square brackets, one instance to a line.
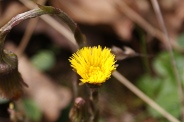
[144, 97]
[166, 36]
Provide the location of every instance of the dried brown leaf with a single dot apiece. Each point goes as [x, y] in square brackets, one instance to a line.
[122, 54]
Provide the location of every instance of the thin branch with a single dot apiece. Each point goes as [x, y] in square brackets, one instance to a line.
[166, 36]
[144, 97]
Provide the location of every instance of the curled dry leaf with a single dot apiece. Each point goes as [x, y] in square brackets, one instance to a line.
[122, 54]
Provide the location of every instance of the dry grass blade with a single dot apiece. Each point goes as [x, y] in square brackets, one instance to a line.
[144, 97]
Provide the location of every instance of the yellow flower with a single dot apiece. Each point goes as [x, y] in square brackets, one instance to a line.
[94, 64]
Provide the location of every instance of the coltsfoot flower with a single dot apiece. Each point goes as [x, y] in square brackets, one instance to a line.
[11, 82]
[94, 64]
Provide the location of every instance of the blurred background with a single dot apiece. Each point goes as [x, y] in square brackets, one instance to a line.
[44, 45]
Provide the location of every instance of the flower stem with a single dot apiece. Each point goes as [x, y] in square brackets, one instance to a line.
[94, 117]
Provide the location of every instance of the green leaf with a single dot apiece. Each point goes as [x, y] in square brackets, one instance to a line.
[162, 65]
[179, 63]
[168, 99]
[149, 85]
[181, 40]
[31, 109]
[43, 60]
[164, 93]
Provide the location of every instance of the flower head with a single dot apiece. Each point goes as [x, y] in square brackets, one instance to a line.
[94, 64]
